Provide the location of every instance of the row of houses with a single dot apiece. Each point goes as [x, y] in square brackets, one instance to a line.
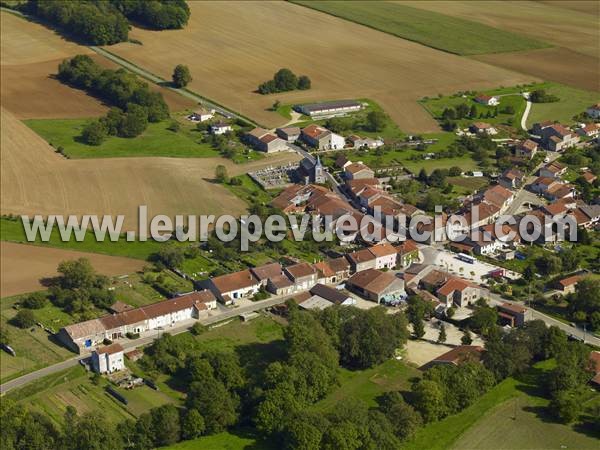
[302, 276]
[84, 336]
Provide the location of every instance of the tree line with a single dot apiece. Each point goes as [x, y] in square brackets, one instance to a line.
[284, 80]
[135, 104]
[105, 22]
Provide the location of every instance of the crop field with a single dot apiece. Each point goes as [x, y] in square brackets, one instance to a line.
[25, 266]
[570, 26]
[31, 54]
[36, 180]
[450, 34]
[228, 59]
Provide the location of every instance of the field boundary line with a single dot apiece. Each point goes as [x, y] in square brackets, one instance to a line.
[185, 92]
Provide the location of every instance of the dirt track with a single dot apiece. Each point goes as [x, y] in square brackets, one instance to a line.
[231, 47]
[23, 266]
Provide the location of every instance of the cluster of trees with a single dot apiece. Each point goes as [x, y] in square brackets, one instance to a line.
[105, 22]
[78, 288]
[584, 303]
[374, 121]
[541, 96]
[450, 115]
[155, 14]
[284, 80]
[438, 176]
[98, 23]
[136, 104]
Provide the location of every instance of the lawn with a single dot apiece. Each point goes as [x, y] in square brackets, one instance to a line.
[467, 185]
[489, 423]
[572, 102]
[52, 394]
[509, 97]
[251, 192]
[12, 230]
[157, 140]
[369, 384]
[234, 440]
[439, 31]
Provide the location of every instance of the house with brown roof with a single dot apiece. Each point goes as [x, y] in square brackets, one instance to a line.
[512, 314]
[289, 134]
[511, 178]
[458, 291]
[303, 275]
[321, 138]
[332, 295]
[358, 171]
[555, 137]
[281, 285]
[526, 149]
[377, 286]
[234, 286]
[458, 355]
[362, 260]
[325, 274]
[341, 266]
[386, 255]
[590, 130]
[488, 100]
[356, 187]
[108, 359]
[560, 191]
[498, 196]
[84, 336]
[265, 141]
[553, 170]
[358, 142]
[567, 285]
[542, 184]
[408, 252]
[483, 128]
[588, 176]
[266, 271]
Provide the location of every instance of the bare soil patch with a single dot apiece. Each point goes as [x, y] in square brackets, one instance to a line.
[36, 180]
[24, 266]
[231, 47]
[31, 54]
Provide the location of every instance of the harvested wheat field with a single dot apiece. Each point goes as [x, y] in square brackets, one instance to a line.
[570, 26]
[31, 54]
[36, 180]
[25, 266]
[231, 47]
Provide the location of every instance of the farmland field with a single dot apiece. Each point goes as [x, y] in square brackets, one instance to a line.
[450, 34]
[31, 54]
[570, 26]
[23, 266]
[228, 59]
[36, 180]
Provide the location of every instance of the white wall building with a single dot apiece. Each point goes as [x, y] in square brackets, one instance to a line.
[108, 359]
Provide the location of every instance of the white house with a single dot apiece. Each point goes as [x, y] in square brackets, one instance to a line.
[233, 286]
[220, 128]
[488, 100]
[322, 138]
[201, 115]
[108, 359]
[85, 336]
[386, 256]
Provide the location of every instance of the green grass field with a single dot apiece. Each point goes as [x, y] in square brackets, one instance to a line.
[467, 185]
[450, 34]
[12, 230]
[369, 384]
[34, 347]
[572, 102]
[235, 440]
[52, 394]
[489, 423]
[157, 140]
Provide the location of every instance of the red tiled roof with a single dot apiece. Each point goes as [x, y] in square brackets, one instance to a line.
[235, 281]
[569, 281]
[383, 249]
[356, 167]
[110, 349]
[460, 354]
[454, 284]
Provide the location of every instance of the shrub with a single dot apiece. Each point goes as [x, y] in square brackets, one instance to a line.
[23, 319]
[181, 76]
[36, 300]
[94, 133]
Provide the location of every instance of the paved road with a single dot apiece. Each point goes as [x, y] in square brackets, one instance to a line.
[148, 339]
[533, 314]
[164, 83]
